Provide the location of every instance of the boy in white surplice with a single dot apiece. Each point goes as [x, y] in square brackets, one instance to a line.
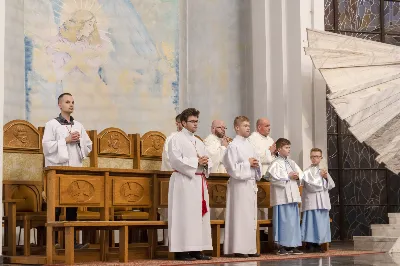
[285, 177]
[244, 169]
[315, 227]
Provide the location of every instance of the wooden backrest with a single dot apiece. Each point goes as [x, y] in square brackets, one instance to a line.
[151, 148]
[22, 152]
[30, 191]
[116, 149]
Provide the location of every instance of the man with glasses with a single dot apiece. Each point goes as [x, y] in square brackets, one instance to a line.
[216, 144]
[189, 229]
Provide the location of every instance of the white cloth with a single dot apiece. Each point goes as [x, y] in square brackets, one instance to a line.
[315, 194]
[165, 164]
[241, 203]
[188, 230]
[283, 189]
[216, 152]
[261, 145]
[57, 152]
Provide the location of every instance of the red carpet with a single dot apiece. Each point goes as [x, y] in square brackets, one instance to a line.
[264, 257]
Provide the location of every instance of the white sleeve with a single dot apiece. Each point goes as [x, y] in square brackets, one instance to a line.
[55, 151]
[276, 175]
[216, 152]
[235, 169]
[86, 143]
[184, 165]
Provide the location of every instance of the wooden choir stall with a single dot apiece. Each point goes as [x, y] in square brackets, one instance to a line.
[118, 189]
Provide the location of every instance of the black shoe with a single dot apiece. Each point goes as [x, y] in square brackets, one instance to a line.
[199, 256]
[256, 255]
[296, 251]
[282, 251]
[239, 255]
[318, 249]
[184, 256]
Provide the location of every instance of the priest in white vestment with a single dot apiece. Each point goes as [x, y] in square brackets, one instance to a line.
[316, 227]
[244, 169]
[285, 177]
[166, 166]
[189, 229]
[216, 144]
[265, 150]
[66, 143]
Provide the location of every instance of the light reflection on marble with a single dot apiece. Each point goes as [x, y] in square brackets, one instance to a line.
[381, 259]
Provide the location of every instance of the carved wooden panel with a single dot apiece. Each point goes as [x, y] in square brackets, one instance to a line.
[81, 190]
[217, 192]
[164, 186]
[131, 191]
[263, 197]
[113, 141]
[21, 135]
[152, 144]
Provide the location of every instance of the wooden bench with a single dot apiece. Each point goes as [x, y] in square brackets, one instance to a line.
[122, 227]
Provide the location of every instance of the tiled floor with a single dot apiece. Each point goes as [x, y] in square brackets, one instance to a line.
[382, 259]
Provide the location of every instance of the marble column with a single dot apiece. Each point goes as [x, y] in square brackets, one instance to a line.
[2, 38]
[286, 88]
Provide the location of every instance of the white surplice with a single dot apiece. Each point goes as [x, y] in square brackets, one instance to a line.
[57, 152]
[216, 152]
[315, 194]
[241, 202]
[261, 145]
[165, 166]
[188, 230]
[283, 189]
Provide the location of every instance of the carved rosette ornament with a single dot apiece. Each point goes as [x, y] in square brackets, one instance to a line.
[81, 190]
[132, 191]
[218, 193]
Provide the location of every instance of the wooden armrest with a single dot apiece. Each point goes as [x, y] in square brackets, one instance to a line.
[13, 200]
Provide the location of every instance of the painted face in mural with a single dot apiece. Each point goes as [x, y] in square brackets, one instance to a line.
[81, 27]
[66, 104]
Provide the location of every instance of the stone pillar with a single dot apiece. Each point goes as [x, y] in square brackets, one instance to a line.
[286, 88]
[2, 38]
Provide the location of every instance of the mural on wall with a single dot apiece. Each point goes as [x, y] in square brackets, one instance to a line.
[119, 59]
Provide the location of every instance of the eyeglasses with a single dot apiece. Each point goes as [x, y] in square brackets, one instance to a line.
[193, 121]
[222, 128]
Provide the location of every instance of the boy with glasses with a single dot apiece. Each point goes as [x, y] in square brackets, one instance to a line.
[315, 227]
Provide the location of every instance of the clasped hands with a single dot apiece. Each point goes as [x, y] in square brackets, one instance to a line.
[203, 160]
[253, 162]
[294, 175]
[73, 137]
[323, 173]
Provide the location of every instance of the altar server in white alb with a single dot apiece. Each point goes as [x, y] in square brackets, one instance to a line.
[189, 229]
[166, 166]
[265, 150]
[244, 169]
[315, 227]
[66, 143]
[285, 177]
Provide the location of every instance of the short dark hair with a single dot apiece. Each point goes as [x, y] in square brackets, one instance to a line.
[282, 142]
[240, 119]
[62, 95]
[316, 150]
[178, 118]
[189, 112]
